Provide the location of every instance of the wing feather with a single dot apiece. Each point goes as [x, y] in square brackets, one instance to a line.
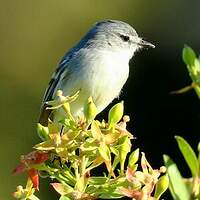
[51, 89]
[62, 73]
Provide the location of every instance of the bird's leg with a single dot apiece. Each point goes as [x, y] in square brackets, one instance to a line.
[62, 130]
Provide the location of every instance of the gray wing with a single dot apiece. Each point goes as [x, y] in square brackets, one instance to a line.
[50, 91]
[63, 67]
[62, 73]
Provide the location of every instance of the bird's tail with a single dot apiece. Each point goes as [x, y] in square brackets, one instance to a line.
[44, 114]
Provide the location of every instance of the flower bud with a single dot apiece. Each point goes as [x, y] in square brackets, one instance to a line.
[126, 118]
[188, 55]
[59, 93]
[90, 110]
[115, 114]
[162, 169]
[19, 193]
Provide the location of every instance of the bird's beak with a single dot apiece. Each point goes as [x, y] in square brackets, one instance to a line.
[145, 44]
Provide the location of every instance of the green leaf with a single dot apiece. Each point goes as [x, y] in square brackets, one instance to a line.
[43, 132]
[104, 152]
[115, 162]
[177, 186]
[66, 122]
[188, 55]
[110, 193]
[161, 186]
[133, 158]
[45, 146]
[188, 155]
[62, 189]
[97, 180]
[124, 148]
[89, 146]
[96, 131]
[81, 184]
[197, 64]
[114, 151]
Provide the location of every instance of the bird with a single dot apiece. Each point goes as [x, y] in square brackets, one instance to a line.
[97, 66]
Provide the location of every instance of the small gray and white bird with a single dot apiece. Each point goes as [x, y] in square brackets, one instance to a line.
[98, 66]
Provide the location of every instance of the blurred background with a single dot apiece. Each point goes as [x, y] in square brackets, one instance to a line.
[35, 34]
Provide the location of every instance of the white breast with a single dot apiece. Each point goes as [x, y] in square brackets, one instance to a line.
[100, 75]
[107, 75]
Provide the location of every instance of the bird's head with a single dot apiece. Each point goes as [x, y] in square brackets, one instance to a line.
[115, 36]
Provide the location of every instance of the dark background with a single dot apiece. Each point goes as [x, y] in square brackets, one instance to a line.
[35, 34]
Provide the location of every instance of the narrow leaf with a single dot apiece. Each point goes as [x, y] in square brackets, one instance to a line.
[188, 155]
[43, 132]
[96, 131]
[161, 186]
[177, 186]
[133, 158]
[61, 188]
[125, 147]
[45, 146]
[104, 152]
[110, 193]
[97, 180]
[81, 184]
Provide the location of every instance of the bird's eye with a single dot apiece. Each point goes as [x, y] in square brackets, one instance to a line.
[125, 38]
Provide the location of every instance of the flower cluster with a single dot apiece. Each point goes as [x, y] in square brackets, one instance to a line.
[73, 150]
